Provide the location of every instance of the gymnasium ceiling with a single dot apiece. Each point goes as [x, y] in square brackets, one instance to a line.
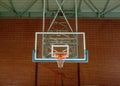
[34, 8]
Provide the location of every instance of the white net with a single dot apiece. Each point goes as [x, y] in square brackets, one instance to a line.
[60, 58]
[60, 63]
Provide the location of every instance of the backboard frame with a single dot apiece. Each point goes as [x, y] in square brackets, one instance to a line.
[78, 60]
[65, 46]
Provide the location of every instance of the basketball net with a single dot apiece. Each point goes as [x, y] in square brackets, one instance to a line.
[60, 58]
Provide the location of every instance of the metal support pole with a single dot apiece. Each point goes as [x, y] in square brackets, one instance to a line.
[76, 23]
[43, 28]
[76, 15]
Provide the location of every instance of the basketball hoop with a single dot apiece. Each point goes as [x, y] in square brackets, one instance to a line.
[60, 58]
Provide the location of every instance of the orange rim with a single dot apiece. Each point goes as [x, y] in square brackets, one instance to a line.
[60, 58]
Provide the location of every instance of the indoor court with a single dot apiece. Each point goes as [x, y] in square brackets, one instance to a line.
[59, 42]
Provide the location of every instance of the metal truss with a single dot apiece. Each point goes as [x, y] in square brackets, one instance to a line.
[60, 33]
[60, 20]
[106, 12]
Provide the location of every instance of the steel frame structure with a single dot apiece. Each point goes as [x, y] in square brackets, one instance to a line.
[96, 12]
[54, 32]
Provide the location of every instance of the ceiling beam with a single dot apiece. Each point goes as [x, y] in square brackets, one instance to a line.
[89, 6]
[47, 5]
[93, 5]
[12, 6]
[106, 5]
[79, 6]
[4, 5]
[108, 11]
[29, 6]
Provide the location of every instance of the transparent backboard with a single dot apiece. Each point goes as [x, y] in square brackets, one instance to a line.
[72, 44]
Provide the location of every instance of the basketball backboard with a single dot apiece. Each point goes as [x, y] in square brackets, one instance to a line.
[60, 40]
[71, 44]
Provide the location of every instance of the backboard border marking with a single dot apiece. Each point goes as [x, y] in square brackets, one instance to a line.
[34, 54]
